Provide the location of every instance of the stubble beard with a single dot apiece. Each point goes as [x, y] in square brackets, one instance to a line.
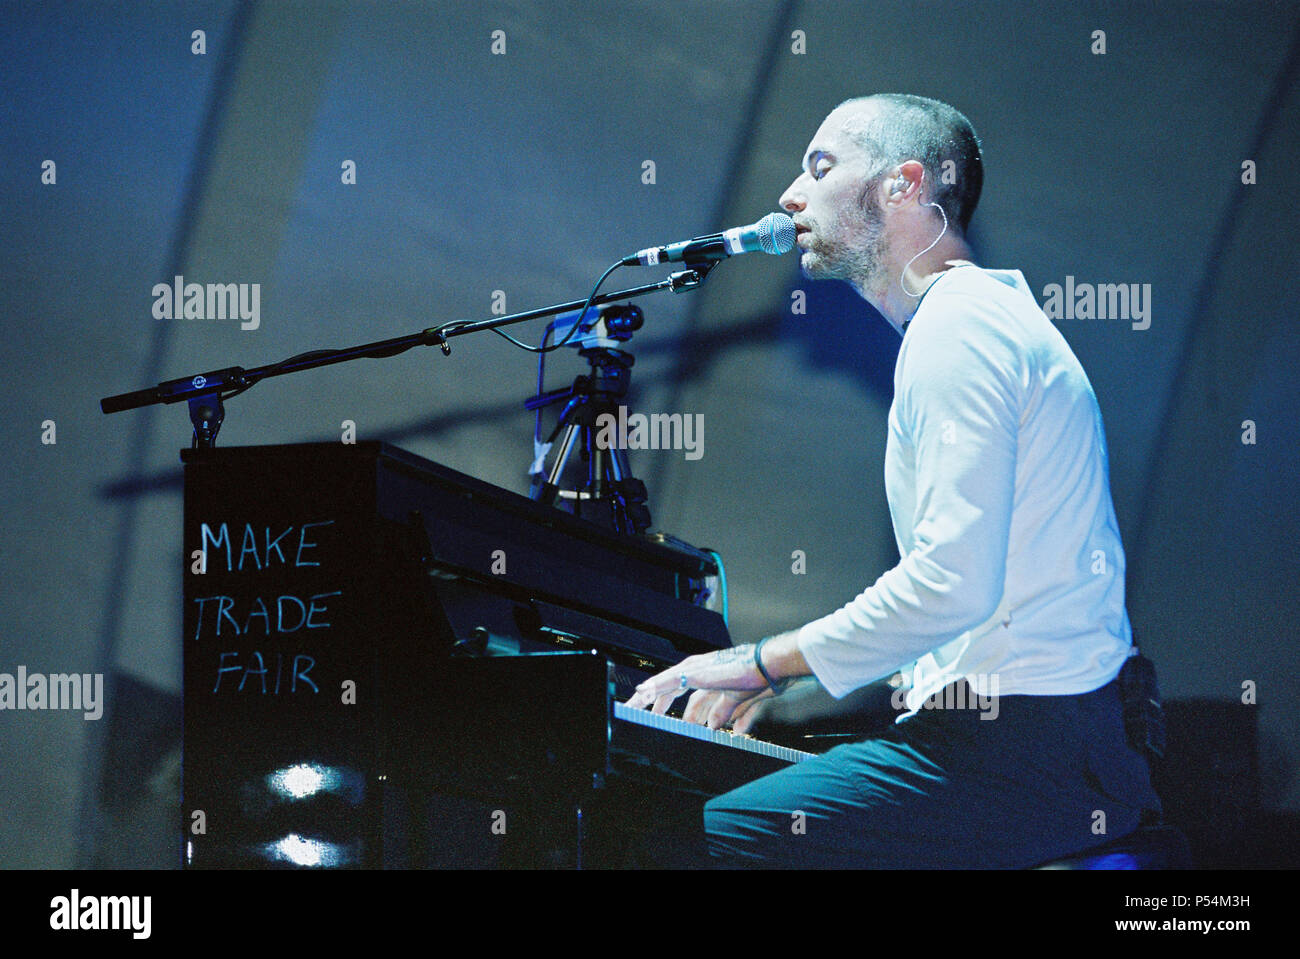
[859, 260]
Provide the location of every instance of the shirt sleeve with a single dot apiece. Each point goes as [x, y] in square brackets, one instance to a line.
[958, 399]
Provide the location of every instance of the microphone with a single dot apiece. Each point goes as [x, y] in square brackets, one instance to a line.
[772, 234]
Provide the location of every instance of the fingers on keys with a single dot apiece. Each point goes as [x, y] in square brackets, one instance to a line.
[709, 707]
[720, 713]
[660, 690]
[697, 706]
[745, 714]
[647, 693]
[663, 702]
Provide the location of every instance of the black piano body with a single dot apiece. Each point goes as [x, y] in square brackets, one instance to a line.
[391, 664]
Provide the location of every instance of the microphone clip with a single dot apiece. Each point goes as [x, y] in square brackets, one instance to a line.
[690, 279]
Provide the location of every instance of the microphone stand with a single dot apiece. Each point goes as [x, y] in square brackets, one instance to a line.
[609, 487]
[206, 392]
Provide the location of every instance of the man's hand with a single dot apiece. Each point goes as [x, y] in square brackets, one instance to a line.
[730, 670]
[716, 708]
[724, 708]
[727, 683]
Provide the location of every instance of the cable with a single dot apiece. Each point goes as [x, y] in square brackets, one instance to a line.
[722, 582]
[901, 284]
[581, 313]
[541, 378]
[542, 349]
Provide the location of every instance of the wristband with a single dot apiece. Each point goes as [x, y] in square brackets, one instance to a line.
[758, 661]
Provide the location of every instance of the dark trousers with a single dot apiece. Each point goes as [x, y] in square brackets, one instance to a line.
[945, 789]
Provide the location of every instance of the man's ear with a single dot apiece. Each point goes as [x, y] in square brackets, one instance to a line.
[910, 177]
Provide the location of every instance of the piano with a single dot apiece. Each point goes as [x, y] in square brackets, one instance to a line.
[390, 664]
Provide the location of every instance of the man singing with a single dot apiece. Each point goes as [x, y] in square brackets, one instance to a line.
[1011, 582]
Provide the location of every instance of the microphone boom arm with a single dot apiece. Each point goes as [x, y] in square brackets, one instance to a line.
[206, 391]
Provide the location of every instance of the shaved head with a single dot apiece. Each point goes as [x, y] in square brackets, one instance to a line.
[896, 127]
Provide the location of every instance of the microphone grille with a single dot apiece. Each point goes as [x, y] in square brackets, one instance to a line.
[776, 233]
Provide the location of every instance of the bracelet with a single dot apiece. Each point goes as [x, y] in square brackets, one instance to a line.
[758, 661]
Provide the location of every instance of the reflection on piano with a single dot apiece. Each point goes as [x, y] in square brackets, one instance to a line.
[388, 663]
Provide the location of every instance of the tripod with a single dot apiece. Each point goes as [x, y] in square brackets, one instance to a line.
[611, 494]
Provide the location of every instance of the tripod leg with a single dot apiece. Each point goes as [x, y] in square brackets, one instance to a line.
[551, 488]
[631, 515]
[596, 466]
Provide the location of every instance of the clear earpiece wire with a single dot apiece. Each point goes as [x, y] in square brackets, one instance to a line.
[901, 284]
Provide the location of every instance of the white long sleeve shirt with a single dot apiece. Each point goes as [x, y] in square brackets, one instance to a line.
[1012, 569]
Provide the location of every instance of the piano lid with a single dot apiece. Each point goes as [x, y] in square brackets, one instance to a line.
[504, 539]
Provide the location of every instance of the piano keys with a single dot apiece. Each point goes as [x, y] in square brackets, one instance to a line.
[721, 737]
